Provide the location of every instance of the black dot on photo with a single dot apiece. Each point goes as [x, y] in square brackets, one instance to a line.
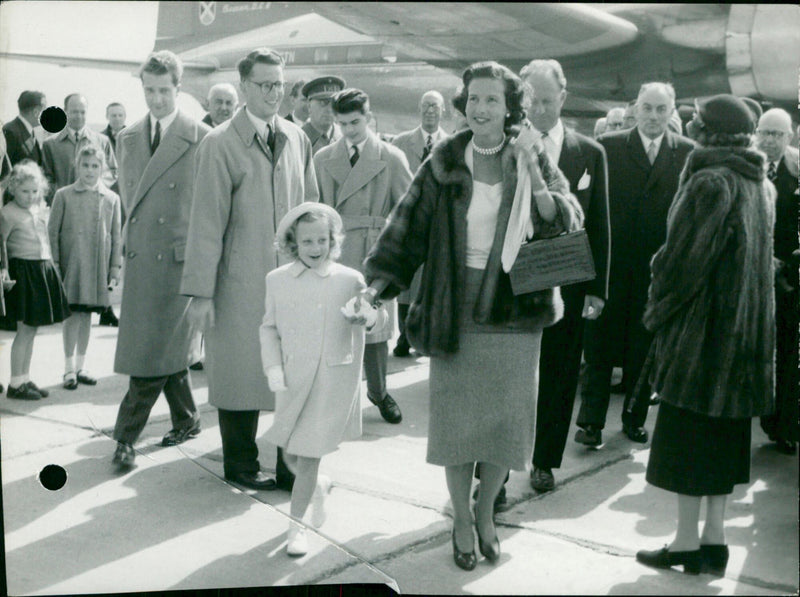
[53, 119]
[53, 477]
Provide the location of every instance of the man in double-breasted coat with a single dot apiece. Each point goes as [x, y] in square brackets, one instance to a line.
[250, 171]
[363, 178]
[156, 181]
[644, 165]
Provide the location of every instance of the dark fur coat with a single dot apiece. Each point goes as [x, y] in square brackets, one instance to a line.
[711, 301]
[430, 226]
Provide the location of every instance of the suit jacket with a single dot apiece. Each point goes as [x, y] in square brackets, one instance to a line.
[241, 193]
[316, 138]
[111, 136]
[413, 145]
[786, 212]
[364, 195]
[5, 163]
[583, 162]
[154, 336]
[58, 160]
[22, 145]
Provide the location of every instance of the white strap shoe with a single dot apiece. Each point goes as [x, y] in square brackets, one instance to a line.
[318, 513]
[296, 541]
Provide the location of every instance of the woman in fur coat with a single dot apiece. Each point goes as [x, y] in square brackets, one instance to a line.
[483, 341]
[711, 308]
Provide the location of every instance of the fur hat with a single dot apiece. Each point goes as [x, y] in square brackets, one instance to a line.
[725, 114]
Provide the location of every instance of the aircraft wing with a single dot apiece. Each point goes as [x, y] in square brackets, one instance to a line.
[123, 65]
[457, 34]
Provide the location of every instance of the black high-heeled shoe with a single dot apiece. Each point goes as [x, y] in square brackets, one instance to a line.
[490, 550]
[715, 559]
[466, 560]
[664, 558]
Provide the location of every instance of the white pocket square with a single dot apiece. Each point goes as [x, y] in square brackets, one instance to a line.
[585, 181]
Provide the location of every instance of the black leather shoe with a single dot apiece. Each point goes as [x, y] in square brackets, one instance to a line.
[654, 399]
[198, 366]
[23, 392]
[589, 436]
[124, 455]
[86, 379]
[715, 559]
[542, 479]
[35, 388]
[635, 434]
[491, 549]
[466, 560]
[401, 350]
[178, 436]
[389, 409]
[664, 558]
[257, 480]
[70, 382]
[108, 318]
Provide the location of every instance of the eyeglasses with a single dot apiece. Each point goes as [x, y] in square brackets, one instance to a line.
[774, 134]
[267, 86]
[614, 125]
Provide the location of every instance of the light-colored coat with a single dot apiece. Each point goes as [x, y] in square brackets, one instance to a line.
[154, 335]
[364, 195]
[320, 351]
[58, 158]
[86, 241]
[239, 199]
[317, 140]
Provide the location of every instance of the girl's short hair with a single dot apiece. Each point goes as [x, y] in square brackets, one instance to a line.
[23, 172]
[90, 150]
[288, 241]
[513, 86]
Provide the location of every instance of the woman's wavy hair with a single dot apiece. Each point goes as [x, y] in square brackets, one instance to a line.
[514, 89]
[23, 172]
[706, 137]
[288, 244]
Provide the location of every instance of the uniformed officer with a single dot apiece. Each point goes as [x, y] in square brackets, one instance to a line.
[320, 126]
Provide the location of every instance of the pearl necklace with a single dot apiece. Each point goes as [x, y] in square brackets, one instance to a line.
[489, 150]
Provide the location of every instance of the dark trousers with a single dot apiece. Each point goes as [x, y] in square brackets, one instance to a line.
[402, 313]
[559, 368]
[375, 358]
[239, 450]
[596, 387]
[783, 424]
[142, 395]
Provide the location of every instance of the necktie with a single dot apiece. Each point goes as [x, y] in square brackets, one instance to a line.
[428, 146]
[651, 152]
[156, 138]
[271, 139]
[354, 157]
[772, 172]
[77, 137]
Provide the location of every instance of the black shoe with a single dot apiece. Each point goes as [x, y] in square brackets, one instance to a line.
[466, 560]
[257, 480]
[389, 409]
[84, 378]
[715, 559]
[178, 436]
[402, 350]
[664, 558]
[491, 549]
[654, 399]
[785, 446]
[23, 392]
[198, 366]
[589, 436]
[1, 388]
[124, 455]
[70, 381]
[542, 479]
[635, 434]
[35, 388]
[108, 318]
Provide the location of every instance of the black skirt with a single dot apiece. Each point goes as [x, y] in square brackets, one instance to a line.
[693, 454]
[38, 296]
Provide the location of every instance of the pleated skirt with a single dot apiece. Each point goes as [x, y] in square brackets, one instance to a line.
[38, 296]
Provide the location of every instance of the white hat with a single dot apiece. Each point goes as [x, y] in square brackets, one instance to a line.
[304, 208]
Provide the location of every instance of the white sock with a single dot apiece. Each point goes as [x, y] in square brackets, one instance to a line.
[26, 378]
[79, 361]
[16, 381]
[69, 365]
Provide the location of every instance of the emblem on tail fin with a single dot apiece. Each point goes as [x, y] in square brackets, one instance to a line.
[208, 12]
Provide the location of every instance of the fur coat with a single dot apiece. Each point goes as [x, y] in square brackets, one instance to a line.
[430, 226]
[711, 301]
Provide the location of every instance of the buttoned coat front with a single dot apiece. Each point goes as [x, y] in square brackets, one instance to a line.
[241, 193]
[364, 195]
[58, 158]
[412, 144]
[154, 335]
[321, 354]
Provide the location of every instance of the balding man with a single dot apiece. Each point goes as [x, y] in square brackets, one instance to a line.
[417, 144]
[644, 165]
[615, 119]
[58, 153]
[772, 137]
[222, 102]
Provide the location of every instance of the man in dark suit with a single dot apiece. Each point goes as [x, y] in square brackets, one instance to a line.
[299, 113]
[772, 137]
[644, 165]
[115, 115]
[583, 162]
[22, 143]
[222, 102]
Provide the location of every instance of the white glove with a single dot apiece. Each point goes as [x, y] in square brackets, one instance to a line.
[275, 379]
[359, 311]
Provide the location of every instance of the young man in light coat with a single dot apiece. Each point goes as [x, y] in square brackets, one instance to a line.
[156, 183]
[250, 171]
[363, 178]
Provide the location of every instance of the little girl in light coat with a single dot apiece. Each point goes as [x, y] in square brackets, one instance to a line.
[312, 346]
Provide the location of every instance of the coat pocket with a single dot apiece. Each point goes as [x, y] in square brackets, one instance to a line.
[342, 350]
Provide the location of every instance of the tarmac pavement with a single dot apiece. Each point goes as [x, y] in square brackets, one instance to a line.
[173, 522]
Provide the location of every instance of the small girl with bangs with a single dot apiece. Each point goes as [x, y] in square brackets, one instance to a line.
[38, 296]
[312, 346]
[84, 232]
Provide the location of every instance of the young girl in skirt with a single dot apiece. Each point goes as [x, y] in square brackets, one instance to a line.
[38, 297]
[84, 232]
[312, 347]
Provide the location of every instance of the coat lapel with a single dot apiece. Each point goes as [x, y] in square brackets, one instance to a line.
[418, 143]
[368, 166]
[663, 161]
[571, 160]
[636, 150]
[176, 142]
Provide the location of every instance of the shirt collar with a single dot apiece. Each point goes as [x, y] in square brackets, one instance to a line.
[165, 122]
[298, 267]
[359, 145]
[27, 125]
[259, 123]
[556, 133]
[647, 140]
[71, 132]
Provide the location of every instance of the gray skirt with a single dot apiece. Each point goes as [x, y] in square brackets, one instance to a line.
[483, 397]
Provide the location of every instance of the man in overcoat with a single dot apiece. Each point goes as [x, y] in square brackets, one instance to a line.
[22, 143]
[644, 165]
[156, 181]
[363, 178]
[583, 162]
[249, 172]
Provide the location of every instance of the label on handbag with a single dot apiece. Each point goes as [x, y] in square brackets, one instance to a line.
[550, 262]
